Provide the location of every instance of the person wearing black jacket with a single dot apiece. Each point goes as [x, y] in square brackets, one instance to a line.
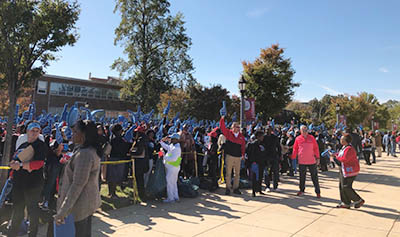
[273, 153]
[116, 174]
[289, 144]
[355, 141]
[256, 156]
[212, 154]
[140, 152]
[28, 182]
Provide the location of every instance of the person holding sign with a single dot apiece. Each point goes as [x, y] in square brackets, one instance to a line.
[27, 175]
[234, 149]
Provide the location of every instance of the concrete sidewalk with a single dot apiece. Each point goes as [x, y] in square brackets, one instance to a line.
[279, 213]
[276, 214]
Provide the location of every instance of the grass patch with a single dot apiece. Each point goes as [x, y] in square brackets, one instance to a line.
[125, 198]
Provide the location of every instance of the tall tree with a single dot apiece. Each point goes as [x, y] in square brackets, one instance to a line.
[270, 81]
[205, 102]
[302, 110]
[179, 102]
[30, 31]
[156, 46]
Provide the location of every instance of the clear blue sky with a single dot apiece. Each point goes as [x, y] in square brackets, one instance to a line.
[336, 46]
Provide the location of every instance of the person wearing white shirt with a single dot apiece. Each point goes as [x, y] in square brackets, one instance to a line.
[172, 161]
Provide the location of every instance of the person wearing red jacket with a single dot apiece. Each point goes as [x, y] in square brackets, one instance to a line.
[347, 158]
[235, 147]
[306, 150]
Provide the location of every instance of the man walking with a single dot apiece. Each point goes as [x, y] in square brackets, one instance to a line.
[235, 147]
[306, 150]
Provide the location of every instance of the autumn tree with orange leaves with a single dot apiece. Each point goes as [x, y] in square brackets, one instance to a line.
[270, 81]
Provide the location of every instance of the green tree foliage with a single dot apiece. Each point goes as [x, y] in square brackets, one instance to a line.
[205, 102]
[303, 111]
[179, 102]
[320, 108]
[30, 32]
[358, 109]
[270, 81]
[199, 102]
[393, 113]
[156, 46]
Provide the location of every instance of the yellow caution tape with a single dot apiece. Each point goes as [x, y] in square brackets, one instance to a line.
[222, 179]
[117, 162]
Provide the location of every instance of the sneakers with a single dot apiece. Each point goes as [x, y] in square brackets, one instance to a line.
[268, 190]
[359, 203]
[237, 191]
[300, 193]
[343, 205]
[318, 195]
[227, 191]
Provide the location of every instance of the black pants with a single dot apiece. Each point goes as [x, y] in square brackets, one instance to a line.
[367, 155]
[314, 177]
[347, 193]
[273, 172]
[140, 184]
[29, 198]
[373, 155]
[286, 164]
[256, 184]
[324, 163]
[49, 189]
[83, 228]
[213, 168]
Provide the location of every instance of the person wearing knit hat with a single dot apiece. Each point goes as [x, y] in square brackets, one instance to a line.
[212, 154]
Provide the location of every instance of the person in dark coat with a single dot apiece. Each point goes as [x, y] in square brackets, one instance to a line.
[212, 155]
[273, 152]
[116, 174]
[140, 152]
[257, 158]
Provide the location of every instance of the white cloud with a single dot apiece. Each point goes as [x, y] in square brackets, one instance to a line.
[255, 13]
[330, 90]
[390, 91]
[383, 69]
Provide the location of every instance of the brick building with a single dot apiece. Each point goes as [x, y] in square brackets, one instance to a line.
[52, 92]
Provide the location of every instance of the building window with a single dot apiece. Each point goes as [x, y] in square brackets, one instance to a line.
[42, 87]
[63, 89]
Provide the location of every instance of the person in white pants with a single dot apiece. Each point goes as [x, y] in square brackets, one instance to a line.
[172, 161]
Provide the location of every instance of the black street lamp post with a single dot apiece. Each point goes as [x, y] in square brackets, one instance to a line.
[242, 88]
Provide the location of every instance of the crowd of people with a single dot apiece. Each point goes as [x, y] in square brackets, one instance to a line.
[64, 172]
